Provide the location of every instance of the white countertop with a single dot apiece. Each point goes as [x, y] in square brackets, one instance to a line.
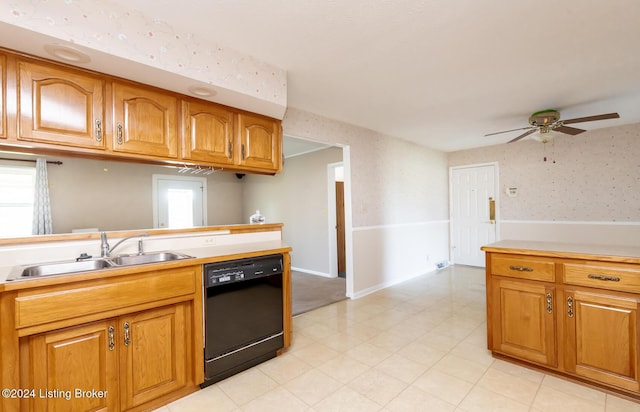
[608, 251]
[201, 255]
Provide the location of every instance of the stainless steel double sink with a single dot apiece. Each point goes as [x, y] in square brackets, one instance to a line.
[92, 264]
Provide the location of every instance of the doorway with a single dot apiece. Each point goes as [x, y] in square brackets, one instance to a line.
[179, 201]
[336, 208]
[473, 204]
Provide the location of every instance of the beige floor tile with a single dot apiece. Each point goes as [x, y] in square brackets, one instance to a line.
[401, 368]
[423, 353]
[202, 400]
[369, 354]
[390, 341]
[414, 399]
[552, 400]
[462, 368]
[285, 367]
[574, 389]
[344, 368]
[277, 400]
[617, 404]
[483, 400]
[246, 386]
[341, 342]
[316, 354]
[378, 386]
[511, 386]
[346, 400]
[313, 386]
[446, 387]
[518, 371]
[477, 354]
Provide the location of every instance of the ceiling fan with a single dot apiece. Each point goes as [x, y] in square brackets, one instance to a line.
[548, 120]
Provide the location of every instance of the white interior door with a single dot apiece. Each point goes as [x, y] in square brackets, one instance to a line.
[472, 225]
[180, 202]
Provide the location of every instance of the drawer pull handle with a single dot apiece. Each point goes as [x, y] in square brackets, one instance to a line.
[549, 303]
[570, 306]
[606, 278]
[521, 268]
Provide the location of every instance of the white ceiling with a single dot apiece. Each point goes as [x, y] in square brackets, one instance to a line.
[438, 72]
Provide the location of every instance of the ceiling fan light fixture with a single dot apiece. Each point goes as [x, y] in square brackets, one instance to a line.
[544, 136]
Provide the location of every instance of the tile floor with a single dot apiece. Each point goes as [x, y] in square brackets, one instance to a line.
[416, 346]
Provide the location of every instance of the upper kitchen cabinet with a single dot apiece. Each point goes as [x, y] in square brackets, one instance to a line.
[260, 140]
[60, 105]
[3, 96]
[207, 133]
[145, 121]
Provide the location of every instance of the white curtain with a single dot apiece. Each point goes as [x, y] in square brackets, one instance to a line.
[41, 205]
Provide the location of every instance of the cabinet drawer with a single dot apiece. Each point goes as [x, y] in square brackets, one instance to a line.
[605, 276]
[44, 306]
[523, 267]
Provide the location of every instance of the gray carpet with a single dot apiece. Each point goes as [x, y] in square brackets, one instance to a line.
[310, 292]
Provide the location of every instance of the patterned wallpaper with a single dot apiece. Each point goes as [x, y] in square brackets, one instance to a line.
[392, 181]
[104, 26]
[594, 176]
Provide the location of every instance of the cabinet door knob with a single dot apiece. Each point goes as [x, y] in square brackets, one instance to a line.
[549, 302]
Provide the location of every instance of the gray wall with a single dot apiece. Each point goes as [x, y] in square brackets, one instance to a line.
[298, 197]
[117, 195]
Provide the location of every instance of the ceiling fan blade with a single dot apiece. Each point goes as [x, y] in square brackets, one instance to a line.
[507, 131]
[568, 130]
[592, 118]
[523, 135]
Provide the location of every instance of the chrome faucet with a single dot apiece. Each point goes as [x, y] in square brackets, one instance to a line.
[105, 251]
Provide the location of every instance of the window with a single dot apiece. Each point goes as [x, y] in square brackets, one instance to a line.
[17, 185]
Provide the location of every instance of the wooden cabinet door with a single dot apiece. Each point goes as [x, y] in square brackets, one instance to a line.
[3, 96]
[79, 358]
[145, 121]
[64, 107]
[207, 133]
[602, 332]
[154, 361]
[260, 141]
[524, 325]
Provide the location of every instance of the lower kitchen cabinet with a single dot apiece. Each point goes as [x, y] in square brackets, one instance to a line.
[575, 314]
[601, 337]
[81, 357]
[116, 364]
[153, 360]
[523, 320]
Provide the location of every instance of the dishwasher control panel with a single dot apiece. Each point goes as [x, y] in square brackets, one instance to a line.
[243, 269]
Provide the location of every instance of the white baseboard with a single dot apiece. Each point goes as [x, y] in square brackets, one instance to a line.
[313, 272]
[385, 285]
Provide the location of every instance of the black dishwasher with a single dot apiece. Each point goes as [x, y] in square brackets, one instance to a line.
[243, 315]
